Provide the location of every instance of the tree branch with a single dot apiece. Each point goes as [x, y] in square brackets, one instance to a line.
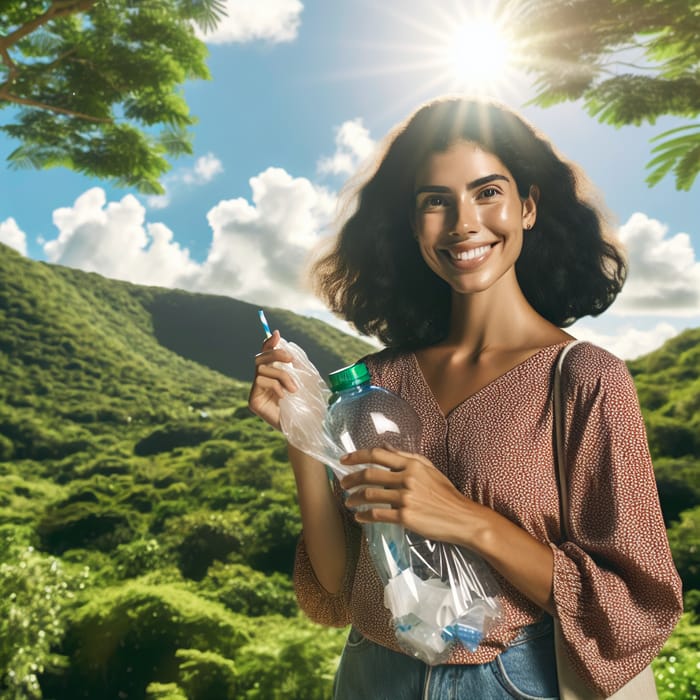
[57, 9]
[11, 65]
[630, 65]
[9, 97]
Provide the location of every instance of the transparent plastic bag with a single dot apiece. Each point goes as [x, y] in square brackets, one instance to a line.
[438, 594]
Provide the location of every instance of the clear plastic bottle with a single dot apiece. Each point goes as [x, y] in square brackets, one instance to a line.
[361, 416]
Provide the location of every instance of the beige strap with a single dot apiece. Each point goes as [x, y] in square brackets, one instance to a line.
[559, 417]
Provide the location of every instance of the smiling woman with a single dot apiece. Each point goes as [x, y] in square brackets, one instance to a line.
[469, 247]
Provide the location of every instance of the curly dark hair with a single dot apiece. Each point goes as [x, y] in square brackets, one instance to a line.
[375, 276]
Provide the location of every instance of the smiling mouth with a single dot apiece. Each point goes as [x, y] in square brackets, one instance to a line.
[471, 254]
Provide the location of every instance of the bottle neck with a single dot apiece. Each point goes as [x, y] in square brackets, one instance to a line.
[350, 391]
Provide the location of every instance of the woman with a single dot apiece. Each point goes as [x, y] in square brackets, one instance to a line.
[471, 246]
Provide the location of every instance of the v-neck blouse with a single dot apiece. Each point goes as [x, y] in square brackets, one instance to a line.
[616, 591]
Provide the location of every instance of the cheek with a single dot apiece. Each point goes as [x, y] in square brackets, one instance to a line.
[430, 227]
[505, 215]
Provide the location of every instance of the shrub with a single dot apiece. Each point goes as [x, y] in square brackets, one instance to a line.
[216, 453]
[204, 537]
[7, 448]
[676, 667]
[253, 469]
[140, 498]
[84, 525]
[303, 655]
[164, 511]
[678, 481]
[171, 436]
[106, 466]
[684, 538]
[126, 637]
[206, 674]
[139, 557]
[34, 592]
[250, 592]
[165, 691]
[274, 534]
[670, 437]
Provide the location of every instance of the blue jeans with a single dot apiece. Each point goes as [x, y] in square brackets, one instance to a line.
[526, 670]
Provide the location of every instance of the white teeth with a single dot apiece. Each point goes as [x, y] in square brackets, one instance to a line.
[469, 254]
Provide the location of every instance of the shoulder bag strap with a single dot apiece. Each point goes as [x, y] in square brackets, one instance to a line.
[559, 416]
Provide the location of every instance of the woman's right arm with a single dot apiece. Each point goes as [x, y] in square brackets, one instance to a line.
[322, 521]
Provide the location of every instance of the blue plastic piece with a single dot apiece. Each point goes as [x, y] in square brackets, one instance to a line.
[467, 635]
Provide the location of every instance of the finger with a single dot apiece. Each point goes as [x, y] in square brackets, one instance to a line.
[371, 496]
[269, 385]
[279, 375]
[271, 342]
[410, 455]
[375, 455]
[267, 357]
[371, 476]
[379, 515]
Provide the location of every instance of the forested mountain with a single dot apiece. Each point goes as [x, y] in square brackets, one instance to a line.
[148, 520]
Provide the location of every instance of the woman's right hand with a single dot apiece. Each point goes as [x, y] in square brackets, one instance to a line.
[270, 382]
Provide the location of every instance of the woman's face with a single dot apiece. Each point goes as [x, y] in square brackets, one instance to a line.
[469, 218]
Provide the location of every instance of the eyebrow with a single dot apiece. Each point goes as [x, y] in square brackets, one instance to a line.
[470, 186]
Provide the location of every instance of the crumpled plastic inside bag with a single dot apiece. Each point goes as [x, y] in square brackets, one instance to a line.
[439, 594]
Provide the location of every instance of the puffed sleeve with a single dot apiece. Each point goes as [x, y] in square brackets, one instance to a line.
[616, 591]
[331, 609]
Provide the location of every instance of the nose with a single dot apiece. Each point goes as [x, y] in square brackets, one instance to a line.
[466, 220]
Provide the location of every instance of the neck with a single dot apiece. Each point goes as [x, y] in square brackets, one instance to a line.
[499, 318]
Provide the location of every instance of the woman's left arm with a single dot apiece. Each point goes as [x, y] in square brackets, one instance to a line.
[423, 500]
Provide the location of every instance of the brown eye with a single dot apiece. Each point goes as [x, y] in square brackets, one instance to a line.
[488, 193]
[434, 201]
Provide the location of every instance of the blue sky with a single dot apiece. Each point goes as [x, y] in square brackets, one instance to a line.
[299, 97]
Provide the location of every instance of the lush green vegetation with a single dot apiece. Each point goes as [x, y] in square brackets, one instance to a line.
[148, 520]
[91, 82]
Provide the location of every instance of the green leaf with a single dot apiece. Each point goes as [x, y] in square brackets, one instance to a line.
[176, 142]
[680, 155]
[101, 81]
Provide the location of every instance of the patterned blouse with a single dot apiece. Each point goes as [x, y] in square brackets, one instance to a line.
[616, 591]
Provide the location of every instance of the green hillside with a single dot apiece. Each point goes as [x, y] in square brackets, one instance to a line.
[148, 520]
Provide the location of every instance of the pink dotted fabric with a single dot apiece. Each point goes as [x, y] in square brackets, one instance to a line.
[616, 590]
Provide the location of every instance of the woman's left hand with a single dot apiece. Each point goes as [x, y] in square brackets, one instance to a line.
[422, 499]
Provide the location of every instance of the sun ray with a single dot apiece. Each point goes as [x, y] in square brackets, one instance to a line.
[452, 47]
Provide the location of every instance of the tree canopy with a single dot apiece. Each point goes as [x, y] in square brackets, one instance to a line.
[631, 61]
[95, 83]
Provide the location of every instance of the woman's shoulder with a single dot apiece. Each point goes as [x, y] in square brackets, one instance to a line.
[587, 364]
[385, 361]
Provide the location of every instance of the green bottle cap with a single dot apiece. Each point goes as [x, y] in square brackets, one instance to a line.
[349, 377]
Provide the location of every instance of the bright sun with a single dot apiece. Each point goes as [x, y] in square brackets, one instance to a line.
[479, 55]
[463, 46]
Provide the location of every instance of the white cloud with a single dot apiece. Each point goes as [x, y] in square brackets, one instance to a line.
[275, 21]
[204, 170]
[114, 240]
[354, 146]
[258, 250]
[664, 274]
[629, 342]
[12, 235]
